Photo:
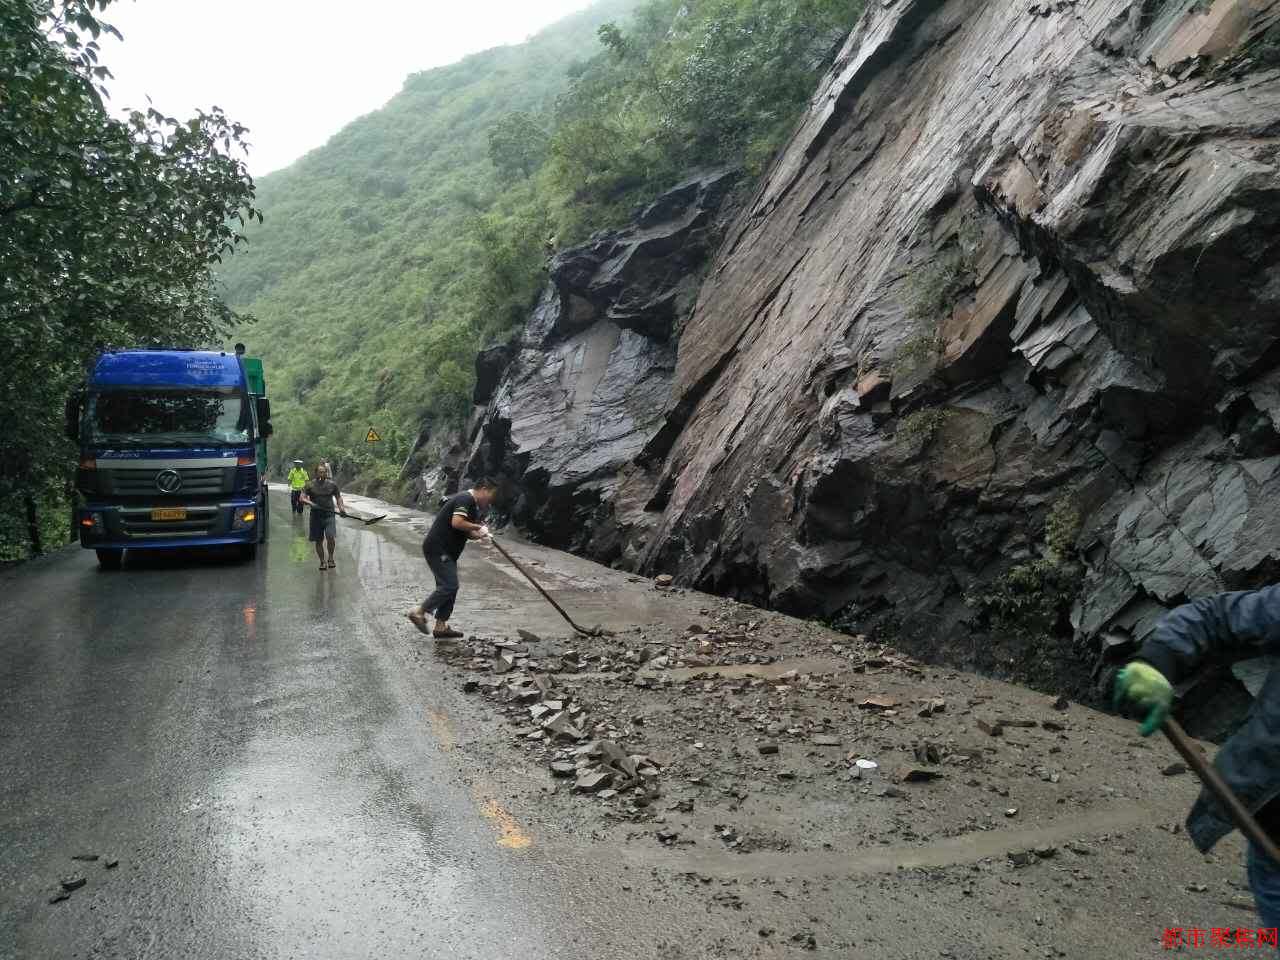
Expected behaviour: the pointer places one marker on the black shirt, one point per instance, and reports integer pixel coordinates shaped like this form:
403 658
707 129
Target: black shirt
442 536
323 493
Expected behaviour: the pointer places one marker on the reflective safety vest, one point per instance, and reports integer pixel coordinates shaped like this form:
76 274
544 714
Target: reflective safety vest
297 478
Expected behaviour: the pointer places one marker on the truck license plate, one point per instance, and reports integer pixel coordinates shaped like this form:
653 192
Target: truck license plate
169 514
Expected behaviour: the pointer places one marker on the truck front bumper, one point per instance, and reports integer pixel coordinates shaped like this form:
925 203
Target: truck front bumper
113 526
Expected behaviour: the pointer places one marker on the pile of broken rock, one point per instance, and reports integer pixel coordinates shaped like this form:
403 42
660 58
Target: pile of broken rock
553 718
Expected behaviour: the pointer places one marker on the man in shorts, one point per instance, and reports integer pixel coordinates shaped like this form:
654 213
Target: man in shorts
325 500
459 520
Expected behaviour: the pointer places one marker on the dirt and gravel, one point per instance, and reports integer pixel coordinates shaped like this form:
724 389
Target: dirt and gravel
821 790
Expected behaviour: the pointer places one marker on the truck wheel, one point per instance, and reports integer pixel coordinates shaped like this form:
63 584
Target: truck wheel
249 552
110 559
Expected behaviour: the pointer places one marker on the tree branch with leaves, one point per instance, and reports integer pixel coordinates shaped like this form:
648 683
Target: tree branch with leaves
110 228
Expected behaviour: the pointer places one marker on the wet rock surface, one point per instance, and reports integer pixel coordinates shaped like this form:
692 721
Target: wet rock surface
1015 260
584 388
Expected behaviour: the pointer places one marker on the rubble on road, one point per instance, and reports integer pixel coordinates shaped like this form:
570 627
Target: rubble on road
729 729
723 732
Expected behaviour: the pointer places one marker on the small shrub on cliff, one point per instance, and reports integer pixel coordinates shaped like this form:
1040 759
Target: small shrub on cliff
1061 528
923 424
916 352
932 289
1030 599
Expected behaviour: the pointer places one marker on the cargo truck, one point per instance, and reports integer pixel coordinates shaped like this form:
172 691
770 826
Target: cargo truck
172 452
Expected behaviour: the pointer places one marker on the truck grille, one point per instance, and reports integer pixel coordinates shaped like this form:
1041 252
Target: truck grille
138 523
196 481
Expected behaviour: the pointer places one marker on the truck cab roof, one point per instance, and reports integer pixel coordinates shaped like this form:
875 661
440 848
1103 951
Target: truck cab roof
167 368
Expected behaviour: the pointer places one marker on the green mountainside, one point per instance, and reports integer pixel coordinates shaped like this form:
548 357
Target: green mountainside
366 241
392 254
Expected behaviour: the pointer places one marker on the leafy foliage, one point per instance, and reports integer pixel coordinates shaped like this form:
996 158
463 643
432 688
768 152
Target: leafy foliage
915 352
392 254
688 84
517 145
109 230
933 288
1031 598
922 425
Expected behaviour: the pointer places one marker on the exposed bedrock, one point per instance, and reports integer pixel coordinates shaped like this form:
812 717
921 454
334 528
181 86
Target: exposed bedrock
1018 261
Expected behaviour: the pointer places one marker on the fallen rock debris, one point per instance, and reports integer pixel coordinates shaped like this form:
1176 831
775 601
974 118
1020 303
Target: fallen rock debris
723 713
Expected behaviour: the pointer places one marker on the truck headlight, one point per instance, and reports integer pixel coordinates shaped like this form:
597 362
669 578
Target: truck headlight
245 517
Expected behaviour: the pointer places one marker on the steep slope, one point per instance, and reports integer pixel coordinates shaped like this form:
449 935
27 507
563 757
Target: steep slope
358 273
996 333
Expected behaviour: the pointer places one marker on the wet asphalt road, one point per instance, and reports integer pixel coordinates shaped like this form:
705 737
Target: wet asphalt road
271 781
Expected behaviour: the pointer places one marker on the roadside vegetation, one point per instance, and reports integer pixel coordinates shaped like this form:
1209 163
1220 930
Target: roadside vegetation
1030 601
109 232
421 232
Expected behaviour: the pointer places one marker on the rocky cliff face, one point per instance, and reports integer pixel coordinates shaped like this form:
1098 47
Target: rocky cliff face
583 391
1020 263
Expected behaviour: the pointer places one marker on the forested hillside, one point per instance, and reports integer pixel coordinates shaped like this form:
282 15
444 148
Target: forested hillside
391 255
364 273
109 229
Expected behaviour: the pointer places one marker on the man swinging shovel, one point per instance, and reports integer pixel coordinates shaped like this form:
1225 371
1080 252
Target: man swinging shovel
1242 788
325 500
459 520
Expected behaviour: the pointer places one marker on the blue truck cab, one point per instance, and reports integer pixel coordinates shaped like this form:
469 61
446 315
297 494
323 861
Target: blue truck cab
172 452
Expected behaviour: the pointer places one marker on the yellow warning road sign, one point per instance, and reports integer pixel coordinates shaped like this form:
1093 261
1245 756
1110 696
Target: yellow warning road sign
372 436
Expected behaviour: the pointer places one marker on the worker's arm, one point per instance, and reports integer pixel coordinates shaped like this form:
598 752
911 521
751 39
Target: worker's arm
1186 636
1226 621
476 531
337 498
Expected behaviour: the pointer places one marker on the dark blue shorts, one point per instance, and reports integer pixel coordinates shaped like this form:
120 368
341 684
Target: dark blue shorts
323 525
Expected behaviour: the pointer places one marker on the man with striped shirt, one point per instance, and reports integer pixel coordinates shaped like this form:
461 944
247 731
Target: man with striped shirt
458 521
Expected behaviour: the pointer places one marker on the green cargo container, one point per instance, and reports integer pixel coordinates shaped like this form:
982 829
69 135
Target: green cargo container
257 382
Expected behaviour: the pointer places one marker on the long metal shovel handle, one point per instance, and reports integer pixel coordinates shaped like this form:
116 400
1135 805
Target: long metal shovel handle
351 516
1210 777
537 586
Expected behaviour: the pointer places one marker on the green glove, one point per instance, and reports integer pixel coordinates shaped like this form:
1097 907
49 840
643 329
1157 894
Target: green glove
1144 686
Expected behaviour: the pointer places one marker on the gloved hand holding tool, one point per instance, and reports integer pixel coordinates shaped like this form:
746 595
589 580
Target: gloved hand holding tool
1145 687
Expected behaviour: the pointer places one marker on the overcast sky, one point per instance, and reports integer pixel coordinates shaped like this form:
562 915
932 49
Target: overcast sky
296 71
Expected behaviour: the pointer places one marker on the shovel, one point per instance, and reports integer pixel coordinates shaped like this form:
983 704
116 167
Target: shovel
1210 777
593 632
353 516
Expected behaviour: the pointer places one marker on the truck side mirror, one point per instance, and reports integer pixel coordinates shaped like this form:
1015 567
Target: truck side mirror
71 416
264 416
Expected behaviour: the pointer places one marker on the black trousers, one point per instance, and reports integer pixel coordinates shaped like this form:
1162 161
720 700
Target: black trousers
295 500
445 569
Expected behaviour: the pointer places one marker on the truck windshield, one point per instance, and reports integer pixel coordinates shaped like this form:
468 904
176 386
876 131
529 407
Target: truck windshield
180 416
